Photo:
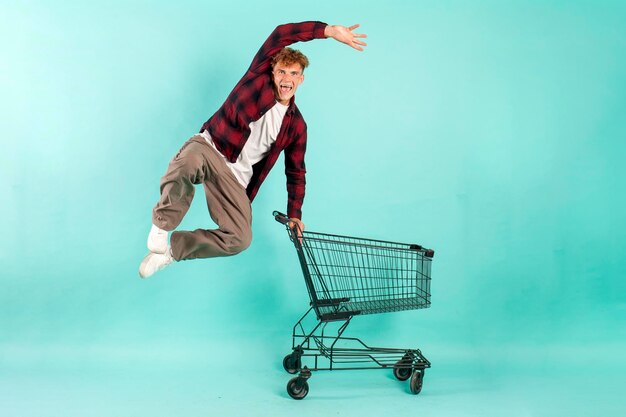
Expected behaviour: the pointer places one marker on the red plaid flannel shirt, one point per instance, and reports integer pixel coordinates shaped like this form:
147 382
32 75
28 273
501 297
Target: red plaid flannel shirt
251 98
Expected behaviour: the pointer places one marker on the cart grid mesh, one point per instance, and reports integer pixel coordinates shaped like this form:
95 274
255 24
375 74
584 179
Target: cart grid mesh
374 276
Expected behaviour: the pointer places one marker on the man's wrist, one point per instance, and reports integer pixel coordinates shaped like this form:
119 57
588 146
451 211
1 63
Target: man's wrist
329 31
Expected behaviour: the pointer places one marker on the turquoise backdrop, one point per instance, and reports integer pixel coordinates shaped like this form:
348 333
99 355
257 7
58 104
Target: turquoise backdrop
491 131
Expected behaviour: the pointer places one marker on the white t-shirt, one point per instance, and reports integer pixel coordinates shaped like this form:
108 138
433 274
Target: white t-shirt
263 134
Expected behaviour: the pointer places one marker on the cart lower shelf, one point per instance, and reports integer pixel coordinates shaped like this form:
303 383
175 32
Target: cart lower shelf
314 351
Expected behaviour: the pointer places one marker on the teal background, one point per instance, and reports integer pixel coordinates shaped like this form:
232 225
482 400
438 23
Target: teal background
490 131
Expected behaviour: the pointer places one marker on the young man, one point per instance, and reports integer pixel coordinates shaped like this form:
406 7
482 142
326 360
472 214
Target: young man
236 149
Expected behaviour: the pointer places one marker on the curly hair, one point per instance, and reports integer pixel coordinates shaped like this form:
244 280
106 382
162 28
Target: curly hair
288 56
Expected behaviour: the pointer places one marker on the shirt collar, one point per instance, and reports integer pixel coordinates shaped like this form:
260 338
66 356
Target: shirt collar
292 105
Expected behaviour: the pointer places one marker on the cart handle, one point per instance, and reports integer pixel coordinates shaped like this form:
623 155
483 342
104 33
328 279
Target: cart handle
280 217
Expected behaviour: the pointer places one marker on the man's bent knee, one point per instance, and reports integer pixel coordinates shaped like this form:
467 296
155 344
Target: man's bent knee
239 244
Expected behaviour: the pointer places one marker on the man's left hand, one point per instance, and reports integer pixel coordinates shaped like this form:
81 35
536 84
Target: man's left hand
296 225
346 35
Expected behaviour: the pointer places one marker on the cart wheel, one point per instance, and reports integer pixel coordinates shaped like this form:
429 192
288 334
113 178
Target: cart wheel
297 388
290 366
416 381
402 369
402 374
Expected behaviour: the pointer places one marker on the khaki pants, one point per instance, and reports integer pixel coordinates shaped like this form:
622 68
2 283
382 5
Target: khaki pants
199 163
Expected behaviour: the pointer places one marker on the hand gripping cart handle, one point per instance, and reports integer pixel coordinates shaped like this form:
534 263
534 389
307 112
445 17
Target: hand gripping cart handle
349 276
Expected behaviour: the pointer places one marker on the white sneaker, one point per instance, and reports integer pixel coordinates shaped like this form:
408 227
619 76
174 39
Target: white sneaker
158 240
154 262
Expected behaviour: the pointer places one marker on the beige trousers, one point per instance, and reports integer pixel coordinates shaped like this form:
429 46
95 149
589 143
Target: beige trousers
199 163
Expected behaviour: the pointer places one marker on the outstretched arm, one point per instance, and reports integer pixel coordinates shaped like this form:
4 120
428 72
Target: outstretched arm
345 35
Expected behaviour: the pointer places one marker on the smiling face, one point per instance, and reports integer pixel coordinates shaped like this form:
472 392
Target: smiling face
286 79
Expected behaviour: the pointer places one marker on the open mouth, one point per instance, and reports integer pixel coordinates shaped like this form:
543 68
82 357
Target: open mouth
285 88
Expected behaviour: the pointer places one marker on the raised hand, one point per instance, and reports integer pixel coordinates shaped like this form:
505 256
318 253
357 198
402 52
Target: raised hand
345 35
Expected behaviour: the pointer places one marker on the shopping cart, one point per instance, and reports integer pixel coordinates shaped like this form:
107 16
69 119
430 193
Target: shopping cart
348 276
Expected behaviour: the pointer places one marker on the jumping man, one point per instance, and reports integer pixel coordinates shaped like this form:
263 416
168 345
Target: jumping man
236 149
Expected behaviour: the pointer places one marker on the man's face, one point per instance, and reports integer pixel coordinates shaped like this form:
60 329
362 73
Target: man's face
287 78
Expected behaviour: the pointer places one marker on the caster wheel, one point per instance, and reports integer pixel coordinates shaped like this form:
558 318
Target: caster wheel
416 381
297 388
402 374
290 366
402 369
